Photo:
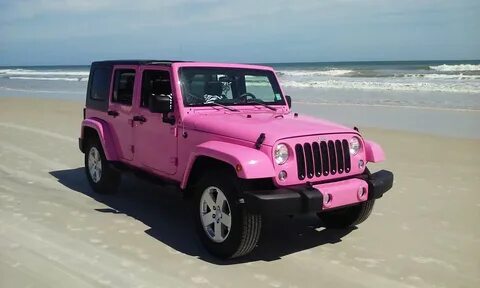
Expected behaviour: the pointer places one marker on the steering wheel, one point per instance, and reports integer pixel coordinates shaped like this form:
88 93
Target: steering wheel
246 95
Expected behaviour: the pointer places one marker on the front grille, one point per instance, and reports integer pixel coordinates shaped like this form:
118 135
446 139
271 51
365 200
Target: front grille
322 158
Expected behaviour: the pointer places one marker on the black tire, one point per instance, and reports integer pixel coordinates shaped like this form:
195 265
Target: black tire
245 229
348 216
109 178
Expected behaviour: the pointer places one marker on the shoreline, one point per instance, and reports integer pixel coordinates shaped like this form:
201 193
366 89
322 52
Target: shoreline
447 122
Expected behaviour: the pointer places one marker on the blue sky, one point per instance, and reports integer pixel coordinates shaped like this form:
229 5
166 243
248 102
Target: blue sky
42 32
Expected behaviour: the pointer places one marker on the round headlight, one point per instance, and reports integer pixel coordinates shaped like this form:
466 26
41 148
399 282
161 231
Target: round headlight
354 145
281 154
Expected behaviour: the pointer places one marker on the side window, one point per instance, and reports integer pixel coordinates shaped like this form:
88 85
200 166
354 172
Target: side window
100 84
123 86
155 82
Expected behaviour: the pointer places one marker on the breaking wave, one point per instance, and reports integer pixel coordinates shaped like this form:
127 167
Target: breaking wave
310 73
459 67
380 85
50 75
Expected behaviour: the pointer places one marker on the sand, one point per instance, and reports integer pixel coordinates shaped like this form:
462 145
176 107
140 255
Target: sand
54 232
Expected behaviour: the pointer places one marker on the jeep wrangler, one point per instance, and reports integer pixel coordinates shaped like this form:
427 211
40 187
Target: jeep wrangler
226 135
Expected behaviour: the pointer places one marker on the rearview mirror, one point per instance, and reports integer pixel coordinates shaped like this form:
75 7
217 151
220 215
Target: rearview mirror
161 104
289 101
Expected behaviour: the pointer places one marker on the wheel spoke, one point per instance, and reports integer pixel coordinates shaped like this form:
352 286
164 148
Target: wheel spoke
226 220
207 218
220 199
218 232
209 200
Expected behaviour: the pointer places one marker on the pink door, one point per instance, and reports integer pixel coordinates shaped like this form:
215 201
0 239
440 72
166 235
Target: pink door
120 108
155 140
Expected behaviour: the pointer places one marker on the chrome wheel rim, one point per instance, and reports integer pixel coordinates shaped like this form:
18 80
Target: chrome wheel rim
215 214
94 164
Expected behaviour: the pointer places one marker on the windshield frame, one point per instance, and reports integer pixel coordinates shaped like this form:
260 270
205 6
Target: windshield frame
270 74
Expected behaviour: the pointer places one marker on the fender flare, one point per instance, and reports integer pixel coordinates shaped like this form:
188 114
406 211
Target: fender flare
254 163
373 152
104 134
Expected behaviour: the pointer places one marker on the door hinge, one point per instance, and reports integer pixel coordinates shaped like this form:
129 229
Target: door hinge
132 148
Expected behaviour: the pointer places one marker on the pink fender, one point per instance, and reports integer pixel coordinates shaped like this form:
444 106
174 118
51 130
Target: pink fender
373 152
105 136
254 163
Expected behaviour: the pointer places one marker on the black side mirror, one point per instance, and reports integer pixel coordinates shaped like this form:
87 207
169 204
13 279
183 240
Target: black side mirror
289 101
161 104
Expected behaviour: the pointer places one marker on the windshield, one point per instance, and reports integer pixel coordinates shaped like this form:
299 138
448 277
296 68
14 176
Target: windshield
229 86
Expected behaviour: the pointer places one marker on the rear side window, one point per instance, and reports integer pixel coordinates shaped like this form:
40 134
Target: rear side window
155 82
100 84
123 86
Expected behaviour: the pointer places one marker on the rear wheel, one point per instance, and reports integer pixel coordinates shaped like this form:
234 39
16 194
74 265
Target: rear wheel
100 175
225 228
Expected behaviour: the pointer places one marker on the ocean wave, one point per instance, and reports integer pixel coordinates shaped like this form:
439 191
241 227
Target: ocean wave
377 85
312 73
460 76
15 72
459 67
49 78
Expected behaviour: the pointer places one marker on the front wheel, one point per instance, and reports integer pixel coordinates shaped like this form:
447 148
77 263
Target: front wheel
348 216
225 228
100 175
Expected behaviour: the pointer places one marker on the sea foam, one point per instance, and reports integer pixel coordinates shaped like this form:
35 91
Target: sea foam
459 67
310 73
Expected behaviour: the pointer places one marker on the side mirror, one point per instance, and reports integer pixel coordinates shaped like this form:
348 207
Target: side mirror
161 104
289 101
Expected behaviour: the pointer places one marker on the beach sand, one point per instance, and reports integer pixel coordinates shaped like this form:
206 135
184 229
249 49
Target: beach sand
54 232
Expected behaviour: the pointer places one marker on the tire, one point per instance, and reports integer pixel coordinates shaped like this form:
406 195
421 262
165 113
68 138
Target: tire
101 176
223 241
348 216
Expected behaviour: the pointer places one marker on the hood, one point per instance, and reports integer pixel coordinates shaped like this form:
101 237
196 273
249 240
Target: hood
248 126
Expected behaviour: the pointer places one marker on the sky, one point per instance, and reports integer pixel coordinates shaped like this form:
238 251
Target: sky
69 32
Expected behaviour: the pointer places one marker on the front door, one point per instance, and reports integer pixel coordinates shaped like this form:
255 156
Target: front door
120 109
155 140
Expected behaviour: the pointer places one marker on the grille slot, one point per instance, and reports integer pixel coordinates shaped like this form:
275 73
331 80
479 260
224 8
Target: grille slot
322 158
300 161
346 150
308 159
318 159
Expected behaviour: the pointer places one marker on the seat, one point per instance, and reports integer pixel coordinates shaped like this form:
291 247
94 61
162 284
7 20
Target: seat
214 88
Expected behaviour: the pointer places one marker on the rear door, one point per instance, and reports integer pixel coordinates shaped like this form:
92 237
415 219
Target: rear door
155 140
120 108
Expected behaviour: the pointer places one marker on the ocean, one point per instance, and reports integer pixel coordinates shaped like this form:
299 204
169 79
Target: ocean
424 84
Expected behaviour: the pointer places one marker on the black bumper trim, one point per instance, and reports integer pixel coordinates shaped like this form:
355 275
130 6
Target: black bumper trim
379 183
80 144
305 198
291 200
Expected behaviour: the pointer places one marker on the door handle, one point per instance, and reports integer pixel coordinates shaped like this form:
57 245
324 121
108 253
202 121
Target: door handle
139 119
113 113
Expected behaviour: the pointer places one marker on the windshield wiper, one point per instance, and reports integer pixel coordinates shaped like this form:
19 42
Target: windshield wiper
224 106
263 104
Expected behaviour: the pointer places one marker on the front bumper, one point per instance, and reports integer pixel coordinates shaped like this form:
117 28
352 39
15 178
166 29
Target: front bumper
315 198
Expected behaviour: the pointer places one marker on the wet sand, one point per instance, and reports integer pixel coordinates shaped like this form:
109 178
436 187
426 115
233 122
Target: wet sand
54 231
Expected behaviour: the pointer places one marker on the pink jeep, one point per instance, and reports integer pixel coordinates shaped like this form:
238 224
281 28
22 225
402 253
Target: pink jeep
225 134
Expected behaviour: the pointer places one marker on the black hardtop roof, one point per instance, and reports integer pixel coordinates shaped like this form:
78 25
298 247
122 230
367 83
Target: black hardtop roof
135 62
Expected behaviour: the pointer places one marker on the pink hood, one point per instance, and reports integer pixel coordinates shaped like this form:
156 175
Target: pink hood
275 126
